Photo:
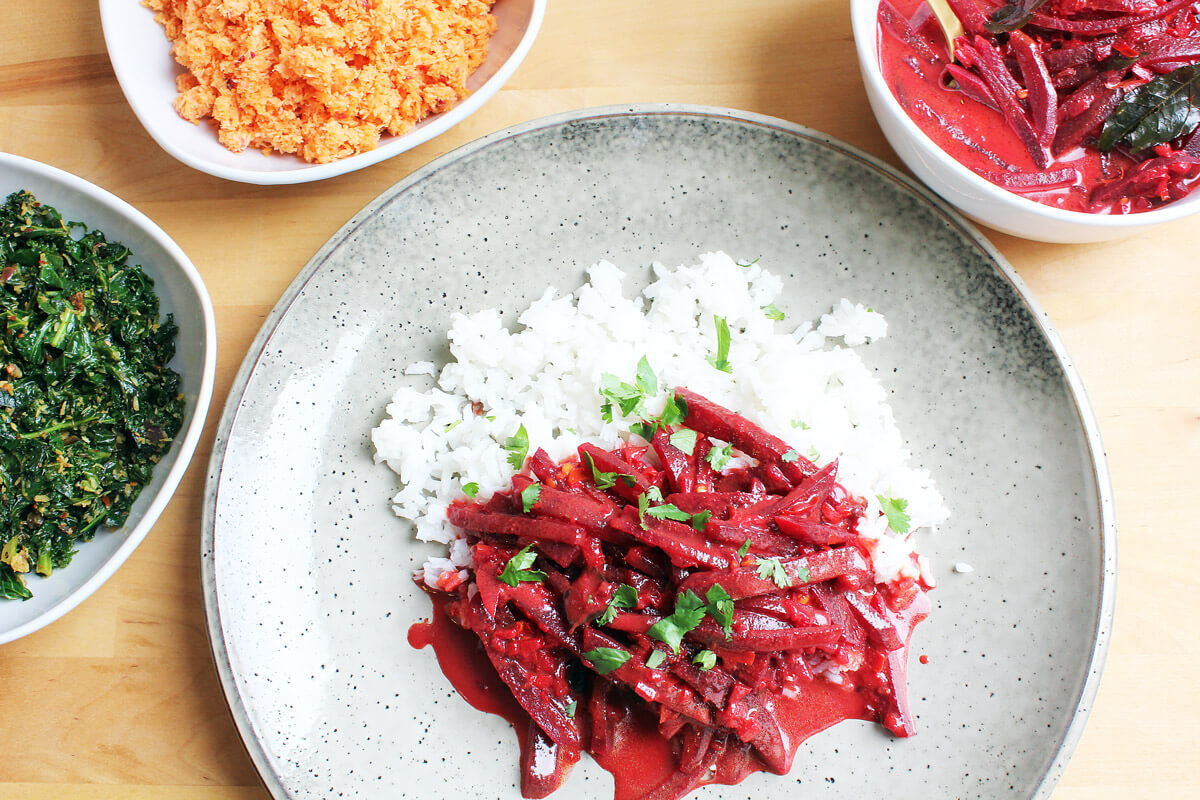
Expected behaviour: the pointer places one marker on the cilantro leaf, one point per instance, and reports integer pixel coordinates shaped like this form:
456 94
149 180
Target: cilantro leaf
721 360
689 611
796 423
770 569
603 480
645 430
813 454
627 397
745 548
645 378
625 597
896 511
517 446
471 489
705 659
669 511
452 426
655 659
530 495
718 457
789 456
518 567
684 439
720 607
606 659
571 707
802 574
772 312
674 412
701 519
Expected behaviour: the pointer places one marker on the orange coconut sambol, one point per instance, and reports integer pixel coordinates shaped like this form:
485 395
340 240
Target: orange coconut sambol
322 80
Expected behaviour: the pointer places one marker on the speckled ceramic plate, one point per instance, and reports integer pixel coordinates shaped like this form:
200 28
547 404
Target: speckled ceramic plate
307 574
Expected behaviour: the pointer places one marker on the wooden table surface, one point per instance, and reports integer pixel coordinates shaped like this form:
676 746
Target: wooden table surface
120 698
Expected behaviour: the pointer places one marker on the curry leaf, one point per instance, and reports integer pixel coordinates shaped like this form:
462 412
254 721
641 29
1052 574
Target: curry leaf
1156 112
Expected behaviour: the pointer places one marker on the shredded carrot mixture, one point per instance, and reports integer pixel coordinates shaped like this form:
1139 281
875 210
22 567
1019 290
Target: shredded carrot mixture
321 79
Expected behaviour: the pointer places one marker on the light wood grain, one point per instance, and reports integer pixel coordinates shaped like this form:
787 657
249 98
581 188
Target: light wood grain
120 699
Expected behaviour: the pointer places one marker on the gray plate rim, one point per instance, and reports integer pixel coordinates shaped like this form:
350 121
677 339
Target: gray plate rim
1108 527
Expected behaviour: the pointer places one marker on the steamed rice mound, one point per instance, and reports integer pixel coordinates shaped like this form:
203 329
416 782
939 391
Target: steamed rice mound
321 79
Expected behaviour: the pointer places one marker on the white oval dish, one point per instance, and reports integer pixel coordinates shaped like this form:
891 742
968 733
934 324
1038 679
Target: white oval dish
146 70
307 573
980 199
181 292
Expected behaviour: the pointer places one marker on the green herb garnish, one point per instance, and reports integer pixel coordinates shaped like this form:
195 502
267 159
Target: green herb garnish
896 511
720 607
684 439
689 611
518 568
789 456
655 659
517 446
470 489
530 495
624 597
770 569
88 405
699 520
745 548
718 457
772 312
721 360
705 659
606 659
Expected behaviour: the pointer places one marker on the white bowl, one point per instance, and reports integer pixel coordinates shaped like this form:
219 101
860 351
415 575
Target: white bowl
180 292
141 57
977 198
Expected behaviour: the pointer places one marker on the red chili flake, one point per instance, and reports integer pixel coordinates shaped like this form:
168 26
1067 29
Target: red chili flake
478 408
924 659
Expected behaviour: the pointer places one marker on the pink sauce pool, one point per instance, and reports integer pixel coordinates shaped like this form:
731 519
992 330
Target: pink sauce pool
981 139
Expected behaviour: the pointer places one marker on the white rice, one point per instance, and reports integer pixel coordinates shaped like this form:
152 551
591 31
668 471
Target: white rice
798 382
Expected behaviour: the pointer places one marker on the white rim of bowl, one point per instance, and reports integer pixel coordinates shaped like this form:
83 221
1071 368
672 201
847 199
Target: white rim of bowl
437 125
863 21
264 762
191 438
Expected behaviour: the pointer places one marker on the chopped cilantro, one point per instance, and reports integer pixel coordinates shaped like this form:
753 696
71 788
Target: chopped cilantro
789 456
701 519
517 446
684 439
705 659
718 457
655 659
669 511
625 597
770 569
470 489
645 430
606 659
674 412
802 425
689 611
721 360
646 380
720 607
518 567
772 312
896 511
813 454
570 708
603 480
745 548
452 426
530 495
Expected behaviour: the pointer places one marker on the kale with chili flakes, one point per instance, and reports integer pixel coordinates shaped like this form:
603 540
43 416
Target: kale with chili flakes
88 405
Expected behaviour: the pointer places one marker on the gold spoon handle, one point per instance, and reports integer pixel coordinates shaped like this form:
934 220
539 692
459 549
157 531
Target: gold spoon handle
951 27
